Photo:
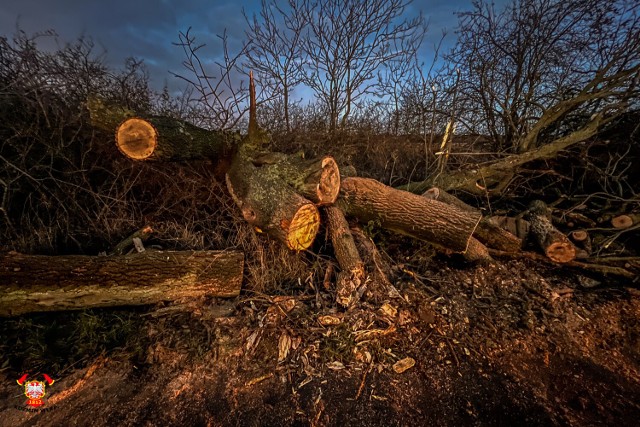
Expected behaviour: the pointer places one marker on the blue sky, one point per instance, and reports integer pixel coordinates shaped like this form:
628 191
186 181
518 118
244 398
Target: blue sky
146 28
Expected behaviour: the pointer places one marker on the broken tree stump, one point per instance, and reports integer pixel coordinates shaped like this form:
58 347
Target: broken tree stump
352 274
487 232
555 245
36 283
441 224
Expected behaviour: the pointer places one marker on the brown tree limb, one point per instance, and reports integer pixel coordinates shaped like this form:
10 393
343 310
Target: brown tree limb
352 274
438 223
34 283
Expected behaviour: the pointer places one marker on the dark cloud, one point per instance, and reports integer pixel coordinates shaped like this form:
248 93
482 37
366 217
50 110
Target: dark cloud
146 29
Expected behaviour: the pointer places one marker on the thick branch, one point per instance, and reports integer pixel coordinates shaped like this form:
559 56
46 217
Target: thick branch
444 225
351 275
33 283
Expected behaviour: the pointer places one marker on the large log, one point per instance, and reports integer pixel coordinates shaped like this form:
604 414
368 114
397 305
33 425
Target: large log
160 138
271 205
556 246
444 225
318 179
487 232
36 283
351 275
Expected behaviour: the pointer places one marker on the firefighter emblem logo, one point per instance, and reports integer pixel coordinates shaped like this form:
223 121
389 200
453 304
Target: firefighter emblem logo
35 390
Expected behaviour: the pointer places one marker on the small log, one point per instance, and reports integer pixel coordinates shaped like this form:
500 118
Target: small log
351 275
477 252
487 232
271 205
554 243
583 241
625 221
517 226
441 224
35 283
142 234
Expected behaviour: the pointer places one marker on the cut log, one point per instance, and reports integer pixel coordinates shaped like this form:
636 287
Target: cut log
436 222
271 205
625 221
163 138
487 232
554 243
351 275
160 138
318 180
34 283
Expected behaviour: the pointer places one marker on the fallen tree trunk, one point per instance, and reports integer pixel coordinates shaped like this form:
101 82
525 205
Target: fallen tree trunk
160 138
553 242
487 232
351 275
439 223
35 283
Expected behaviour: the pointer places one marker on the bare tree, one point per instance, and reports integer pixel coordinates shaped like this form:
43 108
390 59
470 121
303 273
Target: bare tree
219 93
536 63
273 49
345 44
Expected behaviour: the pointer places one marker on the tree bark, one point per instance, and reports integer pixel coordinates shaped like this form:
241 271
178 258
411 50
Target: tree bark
35 283
318 179
271 205
439 223
160 138
493 176
554 243
351 275
487 232
166 139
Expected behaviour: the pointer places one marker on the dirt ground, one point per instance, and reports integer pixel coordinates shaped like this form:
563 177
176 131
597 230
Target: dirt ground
509 343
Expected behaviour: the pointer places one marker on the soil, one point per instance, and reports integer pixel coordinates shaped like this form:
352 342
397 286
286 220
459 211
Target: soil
513 342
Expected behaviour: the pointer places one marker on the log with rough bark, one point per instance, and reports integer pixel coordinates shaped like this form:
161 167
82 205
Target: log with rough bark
436 222
318 179
554 243
266 200
271 205
160 138
352 274
35 283
487 232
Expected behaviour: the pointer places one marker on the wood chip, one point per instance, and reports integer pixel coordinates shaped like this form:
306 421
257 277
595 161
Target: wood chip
402 365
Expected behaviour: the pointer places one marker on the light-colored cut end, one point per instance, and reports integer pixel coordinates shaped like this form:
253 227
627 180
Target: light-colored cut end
561 252
136 138
329 185
303 228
